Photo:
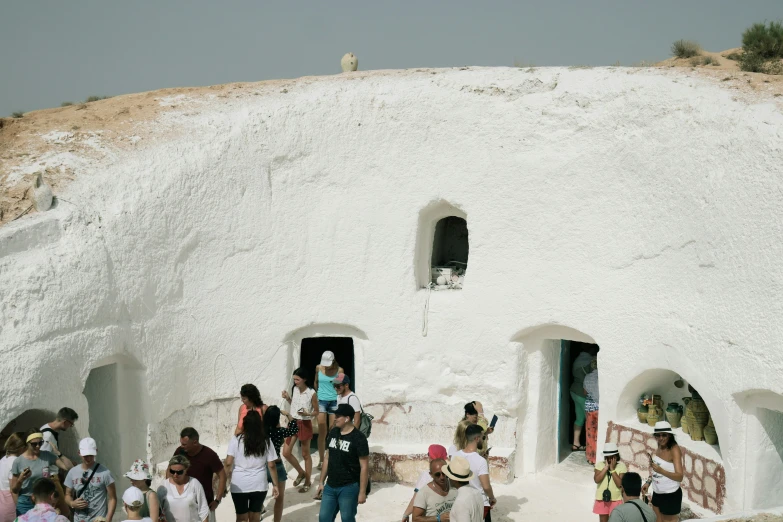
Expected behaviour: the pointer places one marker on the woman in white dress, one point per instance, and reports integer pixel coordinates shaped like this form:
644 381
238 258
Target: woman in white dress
182 497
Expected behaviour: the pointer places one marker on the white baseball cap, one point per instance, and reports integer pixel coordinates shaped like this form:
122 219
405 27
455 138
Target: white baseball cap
133 497
88 447
327 358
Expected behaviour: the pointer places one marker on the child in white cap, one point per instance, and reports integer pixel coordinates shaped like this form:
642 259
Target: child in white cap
133 499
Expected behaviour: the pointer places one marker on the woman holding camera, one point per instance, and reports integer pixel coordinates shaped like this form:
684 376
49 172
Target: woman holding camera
665 474
608 477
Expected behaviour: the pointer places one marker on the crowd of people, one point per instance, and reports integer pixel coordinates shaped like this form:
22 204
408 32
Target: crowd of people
455 488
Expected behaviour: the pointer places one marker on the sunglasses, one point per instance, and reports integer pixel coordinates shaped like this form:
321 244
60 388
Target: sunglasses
36 444
177 471
437 474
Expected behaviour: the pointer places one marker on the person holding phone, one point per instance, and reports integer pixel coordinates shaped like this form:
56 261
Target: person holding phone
30 466
665 474
304 407
608 476
474 413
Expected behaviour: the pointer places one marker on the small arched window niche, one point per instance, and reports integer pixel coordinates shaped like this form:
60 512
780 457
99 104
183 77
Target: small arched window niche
442 247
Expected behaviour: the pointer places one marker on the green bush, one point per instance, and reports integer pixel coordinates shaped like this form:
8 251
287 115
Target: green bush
685 49
17 114
709 60
752 62
734 56
764 40
95 98
66 104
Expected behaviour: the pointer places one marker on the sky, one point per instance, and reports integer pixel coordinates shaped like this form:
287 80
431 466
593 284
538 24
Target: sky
53 51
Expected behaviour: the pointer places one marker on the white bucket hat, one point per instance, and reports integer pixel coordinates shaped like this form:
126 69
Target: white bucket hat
610 449
139 470
327 358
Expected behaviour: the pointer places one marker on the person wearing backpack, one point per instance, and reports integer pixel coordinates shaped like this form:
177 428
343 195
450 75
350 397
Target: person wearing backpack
361 420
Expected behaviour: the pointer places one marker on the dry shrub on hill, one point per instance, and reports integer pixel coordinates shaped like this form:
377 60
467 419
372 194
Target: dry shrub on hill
685 49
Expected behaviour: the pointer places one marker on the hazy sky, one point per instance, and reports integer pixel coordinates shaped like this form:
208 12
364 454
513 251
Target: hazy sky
55 50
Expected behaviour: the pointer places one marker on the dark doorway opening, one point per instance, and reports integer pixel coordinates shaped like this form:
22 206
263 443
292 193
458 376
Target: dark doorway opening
570 351
313 347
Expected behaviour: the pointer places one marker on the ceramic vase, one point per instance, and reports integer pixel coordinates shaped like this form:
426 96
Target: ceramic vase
642 414
710 435
673 414
653 415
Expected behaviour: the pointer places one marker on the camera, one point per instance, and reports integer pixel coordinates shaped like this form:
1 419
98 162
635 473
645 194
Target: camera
607 495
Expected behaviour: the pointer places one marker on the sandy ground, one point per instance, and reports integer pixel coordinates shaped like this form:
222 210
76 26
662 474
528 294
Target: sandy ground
563 494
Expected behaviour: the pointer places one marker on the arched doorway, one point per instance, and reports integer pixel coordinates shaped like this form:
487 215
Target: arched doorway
34 418
545 410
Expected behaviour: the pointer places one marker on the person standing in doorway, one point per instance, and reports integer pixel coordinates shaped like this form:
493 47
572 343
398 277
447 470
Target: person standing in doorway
251 400
30 466
479 467
342 385
579 370
325 374
66 419
346 468
89 488
591 413
204 464
468 505
304 407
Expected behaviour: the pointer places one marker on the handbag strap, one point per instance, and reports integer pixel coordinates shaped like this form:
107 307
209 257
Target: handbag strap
640 510
86 484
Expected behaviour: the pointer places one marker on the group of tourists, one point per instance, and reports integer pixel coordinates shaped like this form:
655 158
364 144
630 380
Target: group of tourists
455 488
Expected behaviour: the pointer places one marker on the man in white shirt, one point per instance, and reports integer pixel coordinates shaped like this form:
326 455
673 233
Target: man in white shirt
468 506
342 385
66 418
478 467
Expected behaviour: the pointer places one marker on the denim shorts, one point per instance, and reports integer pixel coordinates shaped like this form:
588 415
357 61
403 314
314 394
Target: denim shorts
327 406
282 476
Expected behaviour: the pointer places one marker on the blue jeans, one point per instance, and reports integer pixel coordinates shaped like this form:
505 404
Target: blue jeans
344 500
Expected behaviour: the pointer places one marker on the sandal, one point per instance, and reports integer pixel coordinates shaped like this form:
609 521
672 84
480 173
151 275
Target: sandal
299 480
574 447
305 488
318 496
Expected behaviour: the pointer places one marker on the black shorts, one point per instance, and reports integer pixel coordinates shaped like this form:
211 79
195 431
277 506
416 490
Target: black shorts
668 503
251 502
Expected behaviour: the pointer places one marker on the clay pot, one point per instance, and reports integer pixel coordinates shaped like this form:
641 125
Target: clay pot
698 416
642 414
653 415
684 424
673 418
658 401
710 435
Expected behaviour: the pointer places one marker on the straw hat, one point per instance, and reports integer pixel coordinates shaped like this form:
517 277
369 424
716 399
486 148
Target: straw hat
458 469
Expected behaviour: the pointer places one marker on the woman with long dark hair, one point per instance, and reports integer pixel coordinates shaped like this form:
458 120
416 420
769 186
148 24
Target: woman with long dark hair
251 400
303 407
277 435
249 455
665 474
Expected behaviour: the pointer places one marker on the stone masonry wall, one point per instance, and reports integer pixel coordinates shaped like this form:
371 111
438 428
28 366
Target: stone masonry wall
704 482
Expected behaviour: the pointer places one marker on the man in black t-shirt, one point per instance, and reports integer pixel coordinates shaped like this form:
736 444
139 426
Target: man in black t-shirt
346 465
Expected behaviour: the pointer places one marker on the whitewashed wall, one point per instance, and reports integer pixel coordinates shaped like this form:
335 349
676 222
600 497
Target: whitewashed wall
638 208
